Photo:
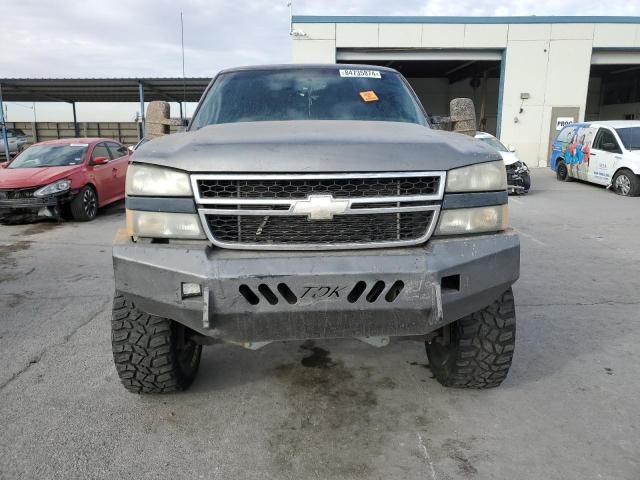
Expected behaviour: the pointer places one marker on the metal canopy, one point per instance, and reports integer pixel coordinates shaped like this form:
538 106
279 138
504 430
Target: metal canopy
73 90
102 89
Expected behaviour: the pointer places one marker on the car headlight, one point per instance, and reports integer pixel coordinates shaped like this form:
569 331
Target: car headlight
53 188
150 181
473 220
164 225
481 177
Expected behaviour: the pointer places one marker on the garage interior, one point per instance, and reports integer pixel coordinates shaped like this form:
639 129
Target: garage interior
438 78
614 92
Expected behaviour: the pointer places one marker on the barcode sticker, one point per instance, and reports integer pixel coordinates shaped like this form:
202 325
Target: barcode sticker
360 73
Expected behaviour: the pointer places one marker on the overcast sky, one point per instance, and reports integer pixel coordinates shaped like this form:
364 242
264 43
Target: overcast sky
122 38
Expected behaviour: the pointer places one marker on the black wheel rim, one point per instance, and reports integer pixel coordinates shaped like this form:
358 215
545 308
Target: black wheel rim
89 203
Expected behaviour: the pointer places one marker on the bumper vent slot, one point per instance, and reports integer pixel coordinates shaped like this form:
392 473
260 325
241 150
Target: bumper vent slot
394 291
375 291
268 294
248 294
357 291
287 294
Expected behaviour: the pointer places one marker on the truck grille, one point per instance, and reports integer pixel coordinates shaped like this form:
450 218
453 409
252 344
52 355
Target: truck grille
341 230
301 188
326 211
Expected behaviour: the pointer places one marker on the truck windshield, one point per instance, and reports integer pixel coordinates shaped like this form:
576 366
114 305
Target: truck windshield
630 137
308 94
38 156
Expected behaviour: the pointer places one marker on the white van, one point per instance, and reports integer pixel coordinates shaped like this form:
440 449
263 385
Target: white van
606 153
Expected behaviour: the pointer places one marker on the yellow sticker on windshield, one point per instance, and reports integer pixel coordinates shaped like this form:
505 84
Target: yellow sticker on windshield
369 96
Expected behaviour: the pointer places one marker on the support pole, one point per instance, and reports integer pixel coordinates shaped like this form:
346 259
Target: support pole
75 120
141 118
5 139
181 115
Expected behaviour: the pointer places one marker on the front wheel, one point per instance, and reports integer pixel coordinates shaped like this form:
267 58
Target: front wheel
526 182
476 351
626 183
562 173
152 354
84 207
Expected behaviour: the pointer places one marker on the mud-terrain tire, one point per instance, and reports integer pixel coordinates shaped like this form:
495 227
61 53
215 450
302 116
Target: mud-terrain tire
84 207
476 351
626 183
562 172
152 354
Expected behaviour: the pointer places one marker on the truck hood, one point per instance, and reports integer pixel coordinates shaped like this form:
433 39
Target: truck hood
314 146
33 177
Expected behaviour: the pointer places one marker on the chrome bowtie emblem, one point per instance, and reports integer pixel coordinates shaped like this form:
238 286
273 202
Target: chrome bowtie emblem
320 207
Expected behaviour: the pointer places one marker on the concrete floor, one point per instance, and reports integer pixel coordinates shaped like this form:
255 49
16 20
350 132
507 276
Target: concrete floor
568 410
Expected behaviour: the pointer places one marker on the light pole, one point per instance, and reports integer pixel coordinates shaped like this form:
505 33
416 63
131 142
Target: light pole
35 119
5 139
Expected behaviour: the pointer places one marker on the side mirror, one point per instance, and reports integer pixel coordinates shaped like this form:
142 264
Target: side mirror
100 161
463 116
511 148
4 164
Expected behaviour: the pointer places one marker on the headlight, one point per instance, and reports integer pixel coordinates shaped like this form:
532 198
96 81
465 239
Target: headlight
150 181
473 220
480 177
163 225
53 188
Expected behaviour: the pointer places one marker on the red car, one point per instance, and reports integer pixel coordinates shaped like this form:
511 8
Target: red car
73 175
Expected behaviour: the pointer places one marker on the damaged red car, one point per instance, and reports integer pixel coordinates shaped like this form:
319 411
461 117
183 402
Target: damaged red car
64 178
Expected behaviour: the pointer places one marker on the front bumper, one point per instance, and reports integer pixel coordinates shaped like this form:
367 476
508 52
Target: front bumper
518 179
321 302
33 204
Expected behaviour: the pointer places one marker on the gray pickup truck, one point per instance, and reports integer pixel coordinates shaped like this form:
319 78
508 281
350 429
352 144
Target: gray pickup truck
310 202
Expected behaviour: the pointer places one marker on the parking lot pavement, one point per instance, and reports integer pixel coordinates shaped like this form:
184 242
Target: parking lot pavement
568 410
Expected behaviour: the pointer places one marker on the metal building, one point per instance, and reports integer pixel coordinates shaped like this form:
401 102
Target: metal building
527 75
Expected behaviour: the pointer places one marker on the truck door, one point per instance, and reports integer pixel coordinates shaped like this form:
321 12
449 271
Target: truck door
605 155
